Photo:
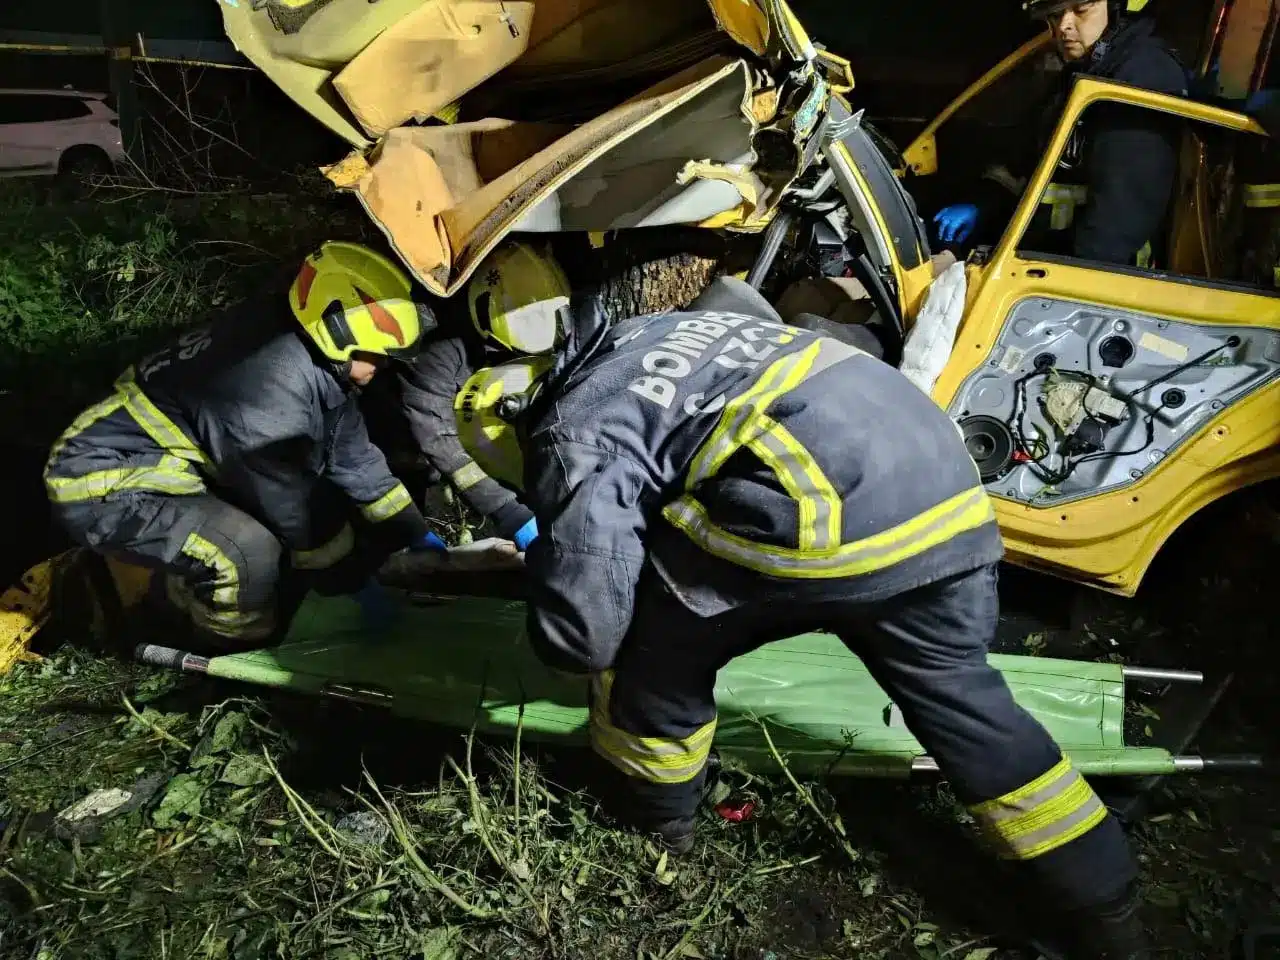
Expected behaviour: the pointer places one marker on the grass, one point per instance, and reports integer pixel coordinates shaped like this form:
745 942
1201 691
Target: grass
229 859
278 827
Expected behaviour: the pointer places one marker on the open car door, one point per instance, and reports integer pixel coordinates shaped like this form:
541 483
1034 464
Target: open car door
608 114
1106 403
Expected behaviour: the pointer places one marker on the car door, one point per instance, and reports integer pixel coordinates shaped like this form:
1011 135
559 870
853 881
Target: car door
1104 403
896 271
921 155
15 155
34 130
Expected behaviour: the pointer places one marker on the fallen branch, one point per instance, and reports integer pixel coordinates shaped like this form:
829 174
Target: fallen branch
712 902
779 868
298 804
158 731
515 829
350 898
426 874
49 746
167 851
836 830
35 897
479 816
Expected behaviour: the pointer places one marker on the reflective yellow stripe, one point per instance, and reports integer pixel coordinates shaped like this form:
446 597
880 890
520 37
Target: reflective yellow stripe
466 477
157 426
745 422
328 553
222 616
1050 811
1262 195
170 475
955 515
227 589
741 413
80 424
388 505
818 504
819 552
655 759
1143 259
1064 198
234 624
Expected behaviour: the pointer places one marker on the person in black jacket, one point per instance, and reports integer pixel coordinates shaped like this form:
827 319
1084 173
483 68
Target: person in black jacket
1115 178
711 480
215 457
514 302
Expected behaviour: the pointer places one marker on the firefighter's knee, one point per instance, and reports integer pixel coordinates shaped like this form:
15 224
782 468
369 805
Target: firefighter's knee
228 587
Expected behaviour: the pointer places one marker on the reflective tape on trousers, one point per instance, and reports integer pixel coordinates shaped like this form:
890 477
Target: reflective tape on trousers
1047 813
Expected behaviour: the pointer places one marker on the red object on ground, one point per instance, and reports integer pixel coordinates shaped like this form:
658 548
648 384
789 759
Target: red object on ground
736 814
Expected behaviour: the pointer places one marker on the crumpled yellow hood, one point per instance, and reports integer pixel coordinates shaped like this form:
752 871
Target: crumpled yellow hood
447 163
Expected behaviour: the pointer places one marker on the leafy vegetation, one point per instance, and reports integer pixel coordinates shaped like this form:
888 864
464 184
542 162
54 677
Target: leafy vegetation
227 858
85 287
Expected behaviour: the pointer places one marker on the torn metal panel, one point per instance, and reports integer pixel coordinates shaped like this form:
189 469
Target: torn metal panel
303 63
361 68
561 133
446 195
428 59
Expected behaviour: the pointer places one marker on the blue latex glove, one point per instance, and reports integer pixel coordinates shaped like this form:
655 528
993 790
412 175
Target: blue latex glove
1260 100
955 223
377 609
526 535
430 541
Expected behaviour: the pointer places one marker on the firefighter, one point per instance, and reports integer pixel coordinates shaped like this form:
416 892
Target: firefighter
218 454
1117 172
1258 169
515 304
709 481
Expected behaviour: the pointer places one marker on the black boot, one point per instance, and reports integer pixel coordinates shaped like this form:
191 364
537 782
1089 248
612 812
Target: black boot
1109 931
675 835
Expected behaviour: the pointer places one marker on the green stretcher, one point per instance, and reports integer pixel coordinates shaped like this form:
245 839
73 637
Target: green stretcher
462 662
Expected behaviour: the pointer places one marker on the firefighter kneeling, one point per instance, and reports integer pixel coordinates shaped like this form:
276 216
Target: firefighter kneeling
707 482
236 444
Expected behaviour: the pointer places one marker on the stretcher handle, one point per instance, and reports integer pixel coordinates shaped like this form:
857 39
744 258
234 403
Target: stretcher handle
1162 674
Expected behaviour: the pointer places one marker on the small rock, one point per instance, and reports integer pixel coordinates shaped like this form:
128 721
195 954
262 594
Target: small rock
97 804
84 818
365 828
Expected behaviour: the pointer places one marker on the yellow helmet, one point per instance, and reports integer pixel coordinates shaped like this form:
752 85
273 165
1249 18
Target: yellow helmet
518 298
350 299
1042 9
485 408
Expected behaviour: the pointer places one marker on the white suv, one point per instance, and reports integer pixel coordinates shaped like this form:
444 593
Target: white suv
57 131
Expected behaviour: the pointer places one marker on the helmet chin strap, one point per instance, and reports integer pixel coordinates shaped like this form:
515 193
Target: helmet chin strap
1116 15
341 371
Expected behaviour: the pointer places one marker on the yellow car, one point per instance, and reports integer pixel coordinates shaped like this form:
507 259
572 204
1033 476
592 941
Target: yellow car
1163 381
1104 405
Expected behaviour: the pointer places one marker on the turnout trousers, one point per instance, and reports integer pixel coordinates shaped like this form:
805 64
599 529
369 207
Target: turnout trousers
220 566
653 718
